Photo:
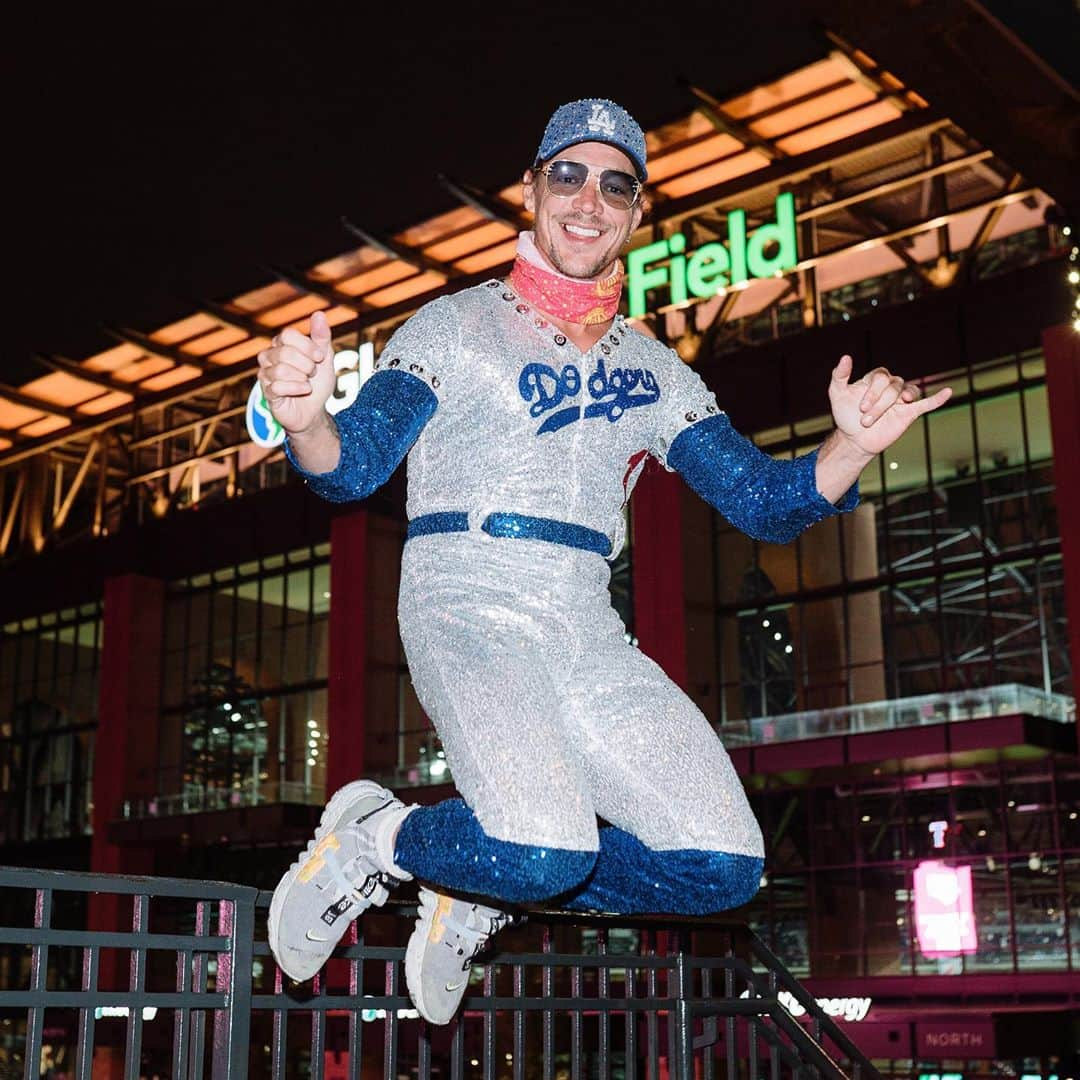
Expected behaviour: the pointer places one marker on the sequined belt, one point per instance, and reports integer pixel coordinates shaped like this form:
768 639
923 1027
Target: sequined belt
514 526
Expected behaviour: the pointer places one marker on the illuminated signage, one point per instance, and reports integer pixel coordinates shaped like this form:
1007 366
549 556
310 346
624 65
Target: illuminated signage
103 1011
937 830
852 1009
370 1015
353 369
944 911
713 267
955 1038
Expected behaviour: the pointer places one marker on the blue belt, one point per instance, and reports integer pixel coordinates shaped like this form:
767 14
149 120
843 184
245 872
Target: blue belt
514 526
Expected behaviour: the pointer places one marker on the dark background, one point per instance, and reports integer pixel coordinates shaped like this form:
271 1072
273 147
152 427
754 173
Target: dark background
159 154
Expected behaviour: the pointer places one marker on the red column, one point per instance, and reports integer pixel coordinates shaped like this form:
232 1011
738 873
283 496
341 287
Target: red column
659 620
1061 348
125 749
349 549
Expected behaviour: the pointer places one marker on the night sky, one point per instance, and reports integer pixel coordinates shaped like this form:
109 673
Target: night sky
160 157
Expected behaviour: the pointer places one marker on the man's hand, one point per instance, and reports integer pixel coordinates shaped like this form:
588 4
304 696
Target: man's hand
874 411
297 377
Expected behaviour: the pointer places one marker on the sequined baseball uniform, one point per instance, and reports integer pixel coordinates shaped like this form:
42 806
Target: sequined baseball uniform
524 451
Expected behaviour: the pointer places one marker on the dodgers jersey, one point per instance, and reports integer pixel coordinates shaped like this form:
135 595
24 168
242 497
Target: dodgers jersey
526 423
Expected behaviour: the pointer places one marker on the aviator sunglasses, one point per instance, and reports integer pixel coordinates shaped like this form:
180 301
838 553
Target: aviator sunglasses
566 178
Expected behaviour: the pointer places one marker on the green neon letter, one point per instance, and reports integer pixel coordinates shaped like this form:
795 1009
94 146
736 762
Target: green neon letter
677 271
639 280
706 270
736 230
783 232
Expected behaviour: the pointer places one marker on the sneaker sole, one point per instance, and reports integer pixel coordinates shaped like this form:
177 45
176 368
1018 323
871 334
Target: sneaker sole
414 952
331 818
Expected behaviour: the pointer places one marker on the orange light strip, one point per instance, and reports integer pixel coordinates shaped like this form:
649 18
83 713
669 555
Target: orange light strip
390 271
192 326
45 426
413 287
467 243
728 169
142 369
810 112
105 403
798 84
300 308
13 416
700 153
222 336
833 130
61 389
115 358
493 256
244 351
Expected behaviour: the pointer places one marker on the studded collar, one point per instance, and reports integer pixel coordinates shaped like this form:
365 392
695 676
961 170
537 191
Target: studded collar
540 324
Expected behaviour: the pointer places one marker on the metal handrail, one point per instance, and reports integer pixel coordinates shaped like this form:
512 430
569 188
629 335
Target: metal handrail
669 1000
926 709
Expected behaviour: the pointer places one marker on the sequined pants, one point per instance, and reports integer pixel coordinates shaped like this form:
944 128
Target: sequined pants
548 718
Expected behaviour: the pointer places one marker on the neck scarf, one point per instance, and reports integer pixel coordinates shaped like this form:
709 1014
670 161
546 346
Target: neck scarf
587 301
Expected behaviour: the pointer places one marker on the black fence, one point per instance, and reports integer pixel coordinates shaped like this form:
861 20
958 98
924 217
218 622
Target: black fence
105 976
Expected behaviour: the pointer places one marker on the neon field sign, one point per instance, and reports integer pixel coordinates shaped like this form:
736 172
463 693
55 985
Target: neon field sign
944 910
713 267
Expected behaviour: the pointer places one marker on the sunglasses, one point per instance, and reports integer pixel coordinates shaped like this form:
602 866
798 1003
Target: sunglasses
566 178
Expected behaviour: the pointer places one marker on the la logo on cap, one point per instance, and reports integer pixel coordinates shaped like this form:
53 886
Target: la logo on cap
600 120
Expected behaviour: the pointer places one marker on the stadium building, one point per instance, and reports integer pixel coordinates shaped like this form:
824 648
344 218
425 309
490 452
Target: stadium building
195 649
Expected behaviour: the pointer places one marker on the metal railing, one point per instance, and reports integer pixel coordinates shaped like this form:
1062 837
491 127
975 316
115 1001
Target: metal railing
198 798
1007 700
572 996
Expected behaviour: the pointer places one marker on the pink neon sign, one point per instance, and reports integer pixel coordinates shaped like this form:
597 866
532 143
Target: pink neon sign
944 911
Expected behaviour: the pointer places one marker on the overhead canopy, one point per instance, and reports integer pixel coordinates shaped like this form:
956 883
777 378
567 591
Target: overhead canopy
882 182
384 278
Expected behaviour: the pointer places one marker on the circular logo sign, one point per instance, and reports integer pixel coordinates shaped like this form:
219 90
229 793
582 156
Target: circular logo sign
261 425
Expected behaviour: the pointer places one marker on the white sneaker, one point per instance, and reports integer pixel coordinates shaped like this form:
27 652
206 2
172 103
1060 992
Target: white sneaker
449 934
347 866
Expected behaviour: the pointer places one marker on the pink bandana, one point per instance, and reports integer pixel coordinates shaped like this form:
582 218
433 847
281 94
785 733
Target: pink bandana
577 300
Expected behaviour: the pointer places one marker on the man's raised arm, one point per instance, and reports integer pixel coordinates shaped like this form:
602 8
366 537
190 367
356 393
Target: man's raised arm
353 454
775 500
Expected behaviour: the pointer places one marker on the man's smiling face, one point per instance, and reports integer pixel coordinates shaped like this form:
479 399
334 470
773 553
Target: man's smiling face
581 235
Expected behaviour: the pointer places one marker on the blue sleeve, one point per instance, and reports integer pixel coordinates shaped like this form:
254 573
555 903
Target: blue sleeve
765 498
376 432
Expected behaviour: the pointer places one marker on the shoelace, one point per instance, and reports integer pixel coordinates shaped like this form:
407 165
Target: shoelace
358 877
476 936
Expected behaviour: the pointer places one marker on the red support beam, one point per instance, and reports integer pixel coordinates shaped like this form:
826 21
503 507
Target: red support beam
1061 348
126 745
346 722
659 621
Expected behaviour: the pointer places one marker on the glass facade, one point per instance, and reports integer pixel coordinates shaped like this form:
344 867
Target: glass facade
864 297
48 717
243 690
948 576
837 898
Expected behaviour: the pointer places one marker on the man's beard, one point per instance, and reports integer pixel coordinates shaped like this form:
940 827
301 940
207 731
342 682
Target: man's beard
604 261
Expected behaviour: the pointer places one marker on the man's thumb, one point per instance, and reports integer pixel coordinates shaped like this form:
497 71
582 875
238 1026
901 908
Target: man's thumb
320 329
842 372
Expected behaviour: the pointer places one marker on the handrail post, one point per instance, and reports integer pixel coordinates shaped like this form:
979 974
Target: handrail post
232 1025
683 1018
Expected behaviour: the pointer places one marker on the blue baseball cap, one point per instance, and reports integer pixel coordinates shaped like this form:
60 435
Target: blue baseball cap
594 120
